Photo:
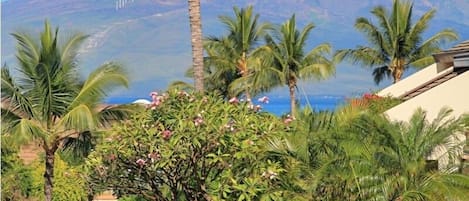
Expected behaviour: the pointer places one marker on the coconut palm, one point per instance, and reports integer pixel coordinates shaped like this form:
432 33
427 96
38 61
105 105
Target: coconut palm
396 42
197 44
46 103
235 51
292 63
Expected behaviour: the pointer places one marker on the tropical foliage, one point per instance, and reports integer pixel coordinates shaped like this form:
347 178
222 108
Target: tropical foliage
372 158
395 41
46 103
214 146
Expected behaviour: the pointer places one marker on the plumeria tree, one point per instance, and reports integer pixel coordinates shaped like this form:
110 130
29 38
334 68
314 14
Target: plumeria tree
191 147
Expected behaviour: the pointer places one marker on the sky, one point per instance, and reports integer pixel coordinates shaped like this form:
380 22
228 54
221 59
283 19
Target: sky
151 37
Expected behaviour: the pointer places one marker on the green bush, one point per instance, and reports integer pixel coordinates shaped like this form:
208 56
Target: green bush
190 147
69 181
17 181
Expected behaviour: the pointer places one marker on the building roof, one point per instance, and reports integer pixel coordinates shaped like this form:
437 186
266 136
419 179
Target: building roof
445 58
456 57
459 48
441 84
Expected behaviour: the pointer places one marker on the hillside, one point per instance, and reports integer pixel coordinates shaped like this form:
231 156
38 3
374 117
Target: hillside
151 37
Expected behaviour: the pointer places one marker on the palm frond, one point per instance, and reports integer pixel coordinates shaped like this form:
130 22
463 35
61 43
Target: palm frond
78 146
362 55
115 113
380 73
16 102
107 76
373 34
180 85
26 130
79 118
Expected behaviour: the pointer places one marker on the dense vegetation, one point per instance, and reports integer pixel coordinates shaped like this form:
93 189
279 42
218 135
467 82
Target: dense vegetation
188 145
49 105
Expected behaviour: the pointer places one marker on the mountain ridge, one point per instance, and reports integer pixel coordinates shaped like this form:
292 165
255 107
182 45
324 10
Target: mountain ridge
151 37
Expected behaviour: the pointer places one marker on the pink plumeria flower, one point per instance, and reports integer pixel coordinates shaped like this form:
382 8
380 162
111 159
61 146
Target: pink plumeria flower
288 119
230 125
263 99
233 100
153 95
258 108
154 104
167 134
154 156
140 162
183 93
156 100
198 120
112 157
269 174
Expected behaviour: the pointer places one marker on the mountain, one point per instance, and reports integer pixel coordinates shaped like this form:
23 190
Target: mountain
151 37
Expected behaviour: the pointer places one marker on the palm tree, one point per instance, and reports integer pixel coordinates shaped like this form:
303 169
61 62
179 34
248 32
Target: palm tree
372 158
237 49
197 44
290 61
401 151
396 43
47 104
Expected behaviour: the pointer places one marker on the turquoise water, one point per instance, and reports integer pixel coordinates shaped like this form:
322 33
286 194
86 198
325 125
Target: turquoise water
276 105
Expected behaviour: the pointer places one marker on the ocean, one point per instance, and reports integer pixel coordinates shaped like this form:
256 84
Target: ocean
276 105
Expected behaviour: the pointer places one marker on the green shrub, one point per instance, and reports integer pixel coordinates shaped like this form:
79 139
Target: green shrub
69 181
17 181
190 147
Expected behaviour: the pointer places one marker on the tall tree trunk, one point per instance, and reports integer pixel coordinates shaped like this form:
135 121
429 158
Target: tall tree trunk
396 75
397 69
49 174
291 87
197 46
243 69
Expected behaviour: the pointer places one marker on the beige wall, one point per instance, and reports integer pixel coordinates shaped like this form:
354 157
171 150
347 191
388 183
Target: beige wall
412 81
453 93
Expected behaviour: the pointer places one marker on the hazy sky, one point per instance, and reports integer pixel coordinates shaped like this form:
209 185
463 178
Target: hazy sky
151 37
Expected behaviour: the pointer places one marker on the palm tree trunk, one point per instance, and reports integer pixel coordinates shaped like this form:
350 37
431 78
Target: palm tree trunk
397 75
49 174
197 46
291 87
243 69
398 70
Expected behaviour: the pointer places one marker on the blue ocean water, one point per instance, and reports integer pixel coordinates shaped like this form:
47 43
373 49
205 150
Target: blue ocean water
281 105
276 105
